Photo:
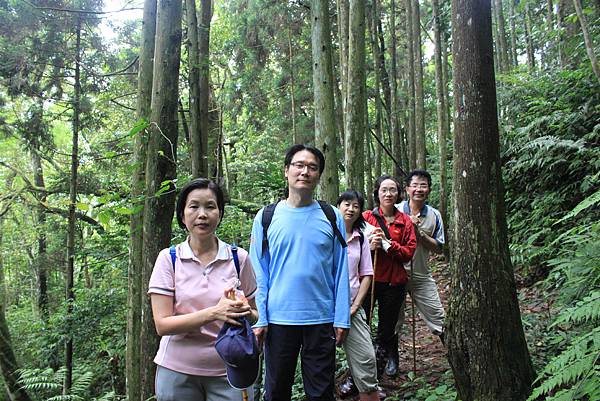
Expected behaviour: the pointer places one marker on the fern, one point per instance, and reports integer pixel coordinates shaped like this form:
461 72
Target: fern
48 384
571 371
584 204
586 310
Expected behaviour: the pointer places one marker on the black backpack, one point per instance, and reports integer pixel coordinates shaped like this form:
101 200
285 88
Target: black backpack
269 211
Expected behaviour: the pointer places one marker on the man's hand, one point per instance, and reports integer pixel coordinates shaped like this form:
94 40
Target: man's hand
340 335
261 335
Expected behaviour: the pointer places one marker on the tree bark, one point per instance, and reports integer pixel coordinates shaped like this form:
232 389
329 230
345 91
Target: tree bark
412 140
394 120
503 46
197 151
546 55
589 45
343 27
355 104
486 344
204 52
513 33
69 293
440 107
325 130
134 273
421 150
160 166
377 72
529 39
292 83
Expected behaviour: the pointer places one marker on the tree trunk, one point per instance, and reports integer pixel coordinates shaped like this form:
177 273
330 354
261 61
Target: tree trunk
8 361
355 104
134 274
529 39
589 45
486 344
385 78
513 33
343 26
160 166
378 111
292 83
197 151
412 140
41 259
440 107
421 151
69 294
325 131
394 120
204 51
503 46
546 55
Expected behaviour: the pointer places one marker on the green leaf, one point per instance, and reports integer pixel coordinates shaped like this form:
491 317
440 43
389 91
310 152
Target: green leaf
104 217
432 397
441 389
584 204
140 125
82 206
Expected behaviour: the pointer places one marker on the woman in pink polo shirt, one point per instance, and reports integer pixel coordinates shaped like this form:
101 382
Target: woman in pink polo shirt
190 300
358 346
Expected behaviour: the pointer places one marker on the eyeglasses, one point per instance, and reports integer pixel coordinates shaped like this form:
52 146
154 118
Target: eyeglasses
391 191
419 186
313 168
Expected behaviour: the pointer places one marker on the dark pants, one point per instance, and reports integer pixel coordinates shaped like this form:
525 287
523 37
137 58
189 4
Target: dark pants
316 345
390 299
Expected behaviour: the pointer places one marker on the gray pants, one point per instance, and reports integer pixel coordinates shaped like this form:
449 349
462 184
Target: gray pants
424 293
175 386
360 353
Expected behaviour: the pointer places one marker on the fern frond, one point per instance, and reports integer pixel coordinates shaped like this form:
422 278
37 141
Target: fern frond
584 204
586 310
571 369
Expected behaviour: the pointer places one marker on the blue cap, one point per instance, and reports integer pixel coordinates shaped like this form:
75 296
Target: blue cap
238 348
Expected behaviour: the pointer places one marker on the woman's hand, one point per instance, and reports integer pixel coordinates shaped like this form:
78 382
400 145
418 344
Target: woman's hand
375 239
230 308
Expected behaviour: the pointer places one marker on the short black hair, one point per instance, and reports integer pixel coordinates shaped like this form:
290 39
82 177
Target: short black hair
378 184
292 150
418 173
350 196
199 183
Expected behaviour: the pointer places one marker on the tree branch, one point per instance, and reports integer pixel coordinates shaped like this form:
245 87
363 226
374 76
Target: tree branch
79 11
387 151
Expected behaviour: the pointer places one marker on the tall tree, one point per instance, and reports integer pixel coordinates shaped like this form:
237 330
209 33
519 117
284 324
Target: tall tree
133 356
440 107
204 58
589 44
160 166
69 293
355 103
412 140
486 344
325 130
513 33
501 37
420 149
378 132
198 152
397 147
529 38
343 23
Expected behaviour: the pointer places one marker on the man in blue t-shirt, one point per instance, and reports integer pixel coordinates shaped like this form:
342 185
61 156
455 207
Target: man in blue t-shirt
303 297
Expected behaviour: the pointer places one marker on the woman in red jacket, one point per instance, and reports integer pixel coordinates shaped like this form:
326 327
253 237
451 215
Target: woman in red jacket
393 242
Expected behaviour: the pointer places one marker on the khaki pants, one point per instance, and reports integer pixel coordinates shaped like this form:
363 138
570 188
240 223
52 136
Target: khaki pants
360 353
424 293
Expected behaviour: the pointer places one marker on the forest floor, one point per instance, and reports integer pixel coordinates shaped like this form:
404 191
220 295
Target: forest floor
432 368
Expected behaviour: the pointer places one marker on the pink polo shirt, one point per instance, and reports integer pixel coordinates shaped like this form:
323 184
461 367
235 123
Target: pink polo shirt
358 265
196 286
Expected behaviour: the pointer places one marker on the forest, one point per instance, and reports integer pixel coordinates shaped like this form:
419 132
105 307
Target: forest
107 108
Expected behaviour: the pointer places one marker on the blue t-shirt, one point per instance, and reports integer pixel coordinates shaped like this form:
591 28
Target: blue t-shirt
303 277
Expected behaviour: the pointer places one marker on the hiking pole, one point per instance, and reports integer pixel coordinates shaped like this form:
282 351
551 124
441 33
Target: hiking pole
414 325
373 289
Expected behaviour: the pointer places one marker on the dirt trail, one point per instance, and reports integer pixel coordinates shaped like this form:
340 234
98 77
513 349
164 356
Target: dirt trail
431 360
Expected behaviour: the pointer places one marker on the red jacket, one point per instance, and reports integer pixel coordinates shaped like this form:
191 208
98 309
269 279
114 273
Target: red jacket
390 268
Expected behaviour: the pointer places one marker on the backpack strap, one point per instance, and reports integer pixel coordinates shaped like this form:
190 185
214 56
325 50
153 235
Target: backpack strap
236 260
173 254
381 223
361 240
330 214
267 216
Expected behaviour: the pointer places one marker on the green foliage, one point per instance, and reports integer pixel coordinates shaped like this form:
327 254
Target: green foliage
551 157
47 384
